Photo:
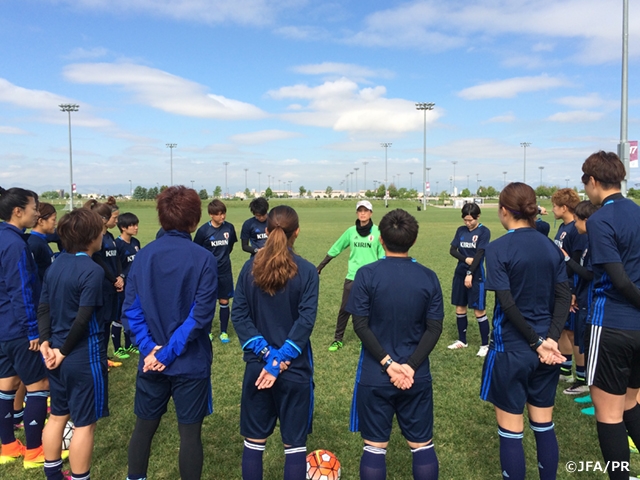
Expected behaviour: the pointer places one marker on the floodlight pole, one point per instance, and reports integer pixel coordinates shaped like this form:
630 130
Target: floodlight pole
424 107
623 146
70 107
386 183
171 146
364 187
524 173
453 192
357 191
541 168
226 188
259 173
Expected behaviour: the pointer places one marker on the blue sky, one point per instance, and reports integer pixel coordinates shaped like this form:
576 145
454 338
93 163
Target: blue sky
305 91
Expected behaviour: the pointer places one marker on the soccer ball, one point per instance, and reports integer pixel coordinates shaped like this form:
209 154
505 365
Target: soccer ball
323 465
67 434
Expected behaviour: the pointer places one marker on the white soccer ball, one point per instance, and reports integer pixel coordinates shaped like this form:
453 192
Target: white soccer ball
67 434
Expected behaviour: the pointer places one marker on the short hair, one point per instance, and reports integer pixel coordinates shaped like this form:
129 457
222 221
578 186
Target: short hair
606 168
46 210
259 206
398 230
126 220
216 207
585 209
12 198
78 228
472 209
566 197
520 200
179 208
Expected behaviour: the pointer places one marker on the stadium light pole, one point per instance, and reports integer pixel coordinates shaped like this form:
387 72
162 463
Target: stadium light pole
357 191
524 172
410 180
453 190
364 184
541 168
226 188
245 178
424 107
171 146
259 173
504 181
130 189
624 147
477 182
567 180
386 184
192 184
346 182
428 182
70 107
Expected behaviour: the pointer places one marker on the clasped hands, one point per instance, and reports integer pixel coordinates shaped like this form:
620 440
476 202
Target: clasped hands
52 356
549 354
401 375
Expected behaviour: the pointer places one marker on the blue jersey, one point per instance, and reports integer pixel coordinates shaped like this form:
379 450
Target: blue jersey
19 286
127 253
543 227
569 239
290 315
73 281
614 237
42 253
529 265
255 232
584 288
170 300
218 241
109 255
398 295
468 242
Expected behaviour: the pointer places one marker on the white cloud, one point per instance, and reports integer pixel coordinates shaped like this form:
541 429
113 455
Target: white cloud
543 47
82 53
4 130
343 106
507 118
263 136
511 87
293 32
592 100
349 70
576 116
162 90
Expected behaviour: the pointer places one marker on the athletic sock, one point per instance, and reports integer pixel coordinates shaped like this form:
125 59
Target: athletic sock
252 460
373 465
127 340
191 455
18 416
425 463
140 447
565 367
631 420
547 446
614 447
116 334
295 463
53 469
225 311
7 398
580 374
483 323
511 455
35 413
81 476
461 320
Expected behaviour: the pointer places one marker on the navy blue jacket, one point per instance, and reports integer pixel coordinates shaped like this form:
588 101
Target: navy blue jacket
170 300
19 286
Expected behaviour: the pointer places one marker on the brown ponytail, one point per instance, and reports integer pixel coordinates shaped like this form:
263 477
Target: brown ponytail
273 265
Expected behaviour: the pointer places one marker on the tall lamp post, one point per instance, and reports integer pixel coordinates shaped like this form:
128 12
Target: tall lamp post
386 183
130 189
567 180
541 168
524 172
504 181
410 180
245 178
424 107
192 184
357 191
428 181
171 146
226 188
70 107
364 184
453 190
259 183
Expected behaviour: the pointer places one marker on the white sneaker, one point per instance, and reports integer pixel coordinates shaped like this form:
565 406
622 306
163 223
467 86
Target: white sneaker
456 345
566 378
482 352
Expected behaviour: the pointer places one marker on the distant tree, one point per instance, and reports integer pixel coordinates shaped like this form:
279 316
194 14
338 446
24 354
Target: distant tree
381 191
491 192
369 194
412 193
328 191
163 188
50 195
268 193
217 192
302 190
66 195
140 193
203 194
248 194
465 193
393 191
152 193
633 193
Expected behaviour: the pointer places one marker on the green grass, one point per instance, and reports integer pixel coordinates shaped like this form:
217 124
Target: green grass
465 431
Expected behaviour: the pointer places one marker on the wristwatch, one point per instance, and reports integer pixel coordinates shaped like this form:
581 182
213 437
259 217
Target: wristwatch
534 346
386 365
469 272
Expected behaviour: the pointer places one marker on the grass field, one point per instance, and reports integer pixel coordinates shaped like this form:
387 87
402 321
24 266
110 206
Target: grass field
465 432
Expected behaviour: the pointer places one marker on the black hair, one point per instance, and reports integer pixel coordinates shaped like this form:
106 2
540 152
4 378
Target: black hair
520 200
606 168
217 207
259 206
472 209
12 198
398 230
126 220
585 209
79 228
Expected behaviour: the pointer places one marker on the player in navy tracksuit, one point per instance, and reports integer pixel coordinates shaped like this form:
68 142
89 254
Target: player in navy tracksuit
397 311
219 236
169 303
253 234
38 242
613 326
274 312
19 356
528 274
467 289
71 344
568 239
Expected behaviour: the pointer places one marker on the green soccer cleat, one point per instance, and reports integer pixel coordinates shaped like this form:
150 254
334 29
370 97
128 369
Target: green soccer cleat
121 353
335 346
586 399
591 411
224 338
133 350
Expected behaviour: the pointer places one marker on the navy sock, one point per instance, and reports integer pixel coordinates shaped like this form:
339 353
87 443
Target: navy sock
483 323
7 398
116 336
35 413
565 367
127 340
425 463
461 320
53 469
547 446
295 463
631 419
81 476
225 311
580 374
18 415
511 455
373 465
614 447
252 460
